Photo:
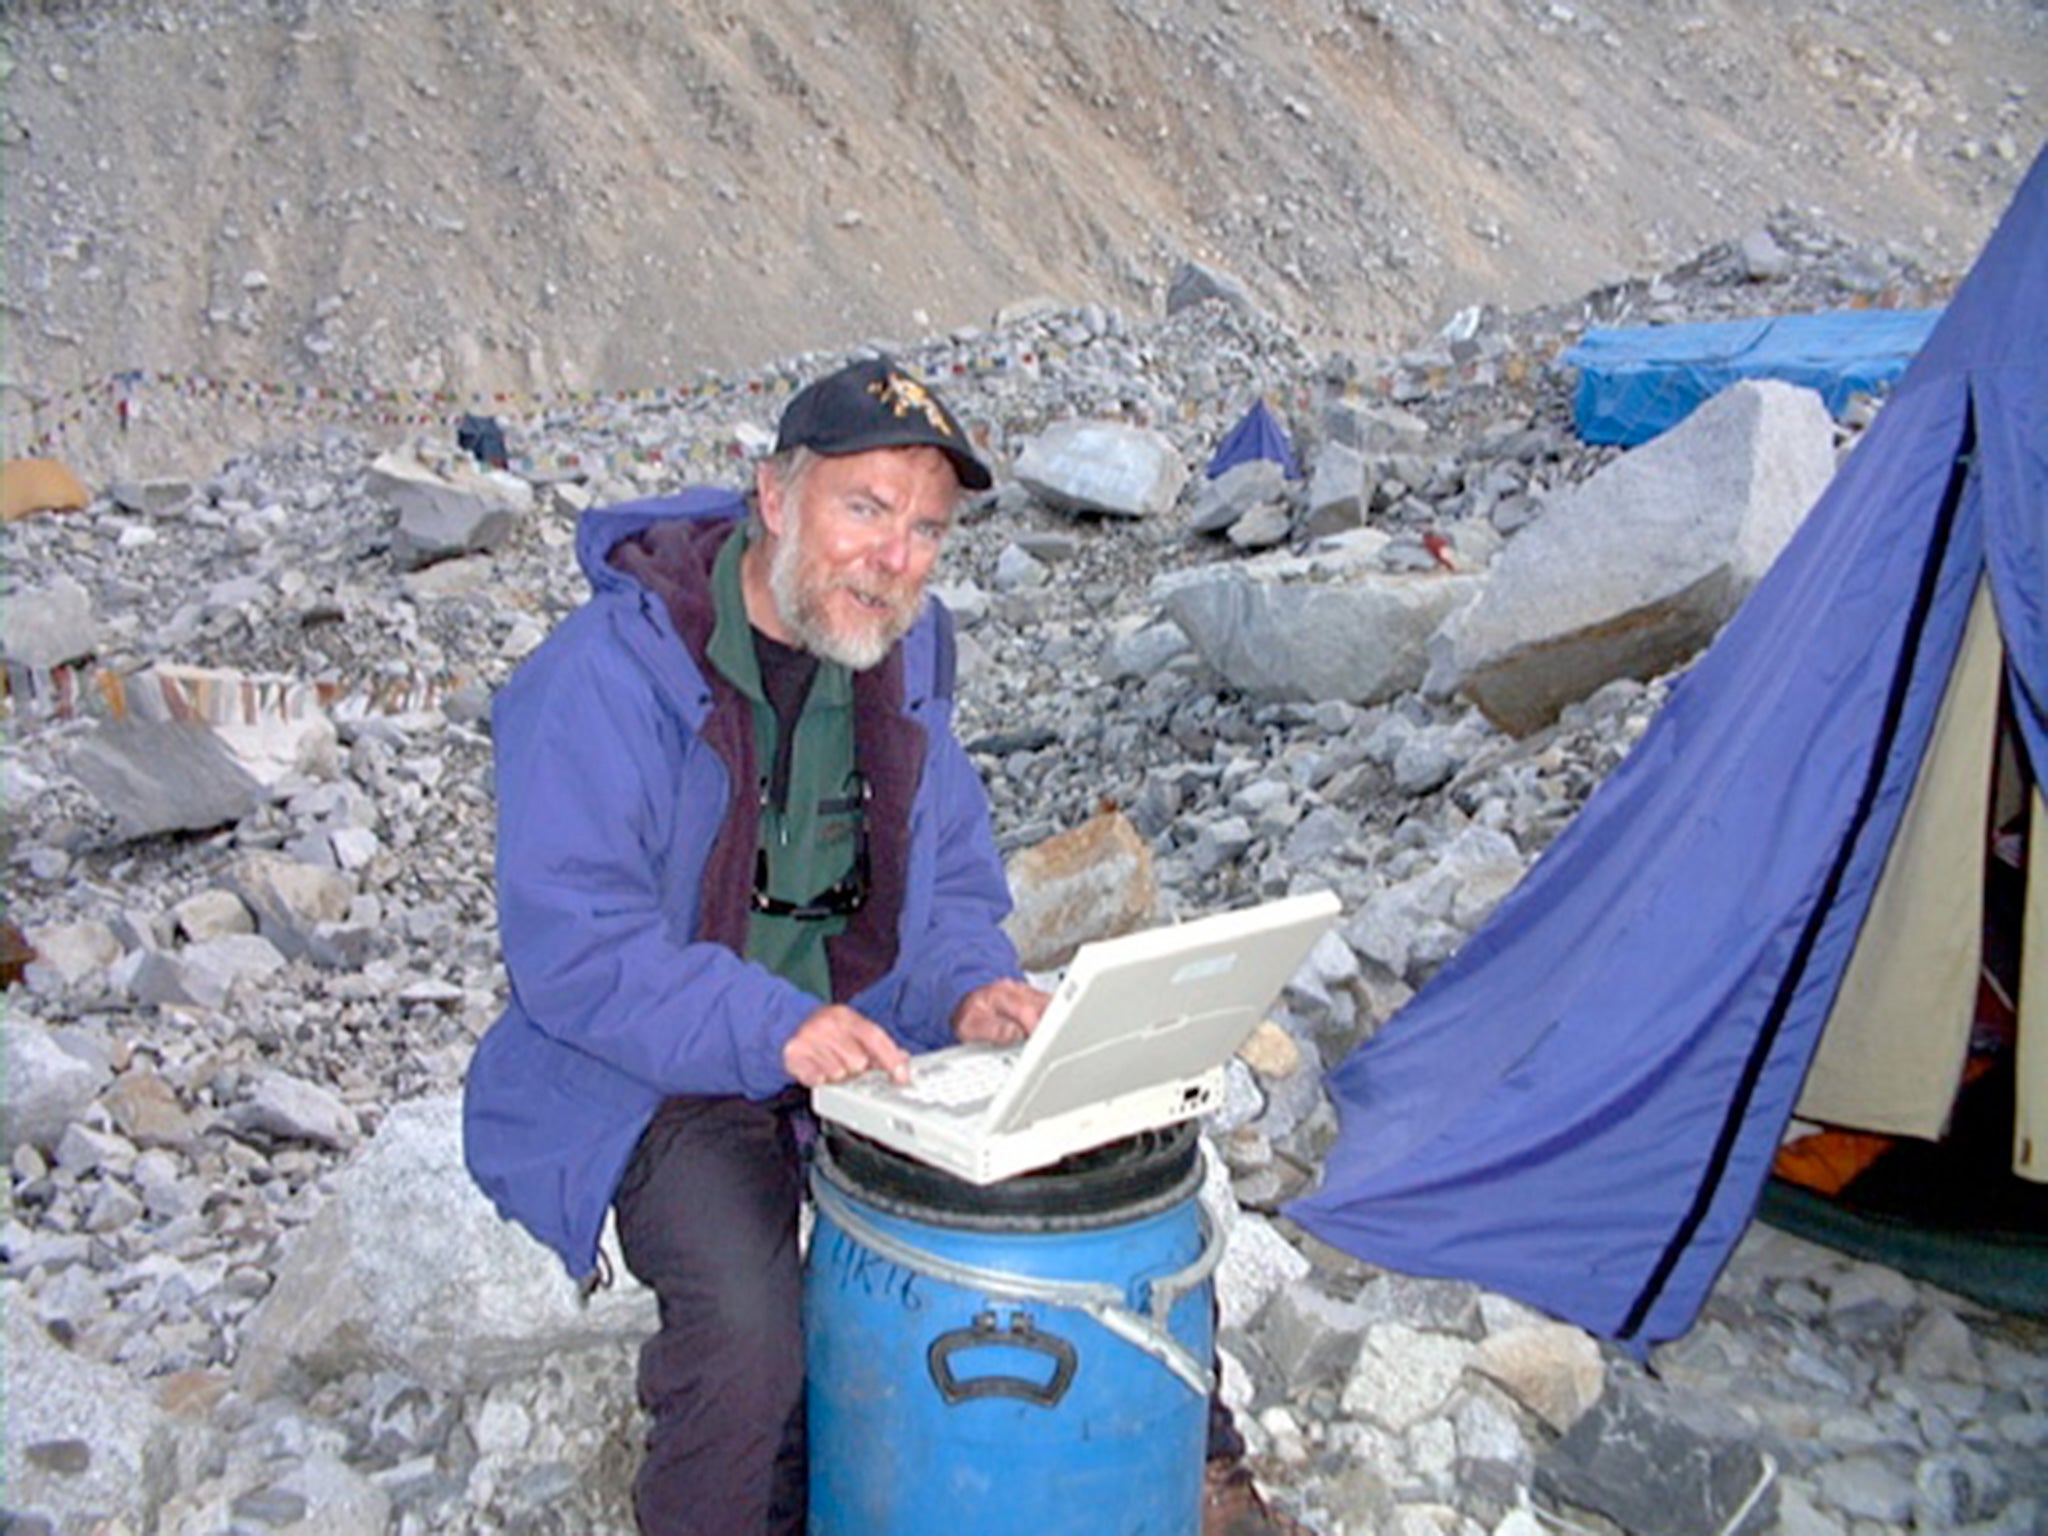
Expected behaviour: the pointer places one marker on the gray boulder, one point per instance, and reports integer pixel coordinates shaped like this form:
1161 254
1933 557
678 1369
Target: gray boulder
205 974
1221 502
211 914
287 1108
407 1267
1309 1336
1338 497
1193 284
43 627
1632 572
1658 1463
1258 1260
1763 259
70 953
161 496
47 1086
1404 1375
1372 428
86 1448
1362 641
1263 527
1102 466
292 900
441 516
1552 1369
1142 649
164 776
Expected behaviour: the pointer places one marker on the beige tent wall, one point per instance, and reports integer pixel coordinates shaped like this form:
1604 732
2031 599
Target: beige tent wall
2030 1112
1891 1056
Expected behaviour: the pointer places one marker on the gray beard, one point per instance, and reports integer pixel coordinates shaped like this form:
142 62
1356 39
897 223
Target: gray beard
805 621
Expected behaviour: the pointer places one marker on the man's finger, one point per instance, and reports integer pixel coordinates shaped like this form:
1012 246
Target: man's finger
881 1051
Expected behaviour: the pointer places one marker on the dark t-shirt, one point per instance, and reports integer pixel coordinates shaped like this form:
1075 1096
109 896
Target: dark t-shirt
786 674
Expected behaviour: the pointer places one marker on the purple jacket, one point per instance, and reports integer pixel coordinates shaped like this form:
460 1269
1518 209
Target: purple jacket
626 833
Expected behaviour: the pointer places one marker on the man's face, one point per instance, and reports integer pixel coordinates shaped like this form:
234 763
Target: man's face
852 543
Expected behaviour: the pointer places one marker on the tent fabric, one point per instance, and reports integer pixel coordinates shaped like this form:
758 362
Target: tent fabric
1581 1108
1257 435
2030 1111
1893 1048
39 485
1636 382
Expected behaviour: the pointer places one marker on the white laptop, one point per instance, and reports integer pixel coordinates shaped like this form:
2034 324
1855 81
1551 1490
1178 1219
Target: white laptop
1135 1038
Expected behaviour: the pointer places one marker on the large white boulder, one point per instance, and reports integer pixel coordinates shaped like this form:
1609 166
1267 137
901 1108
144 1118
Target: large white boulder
1637 569
408 1267
1102 466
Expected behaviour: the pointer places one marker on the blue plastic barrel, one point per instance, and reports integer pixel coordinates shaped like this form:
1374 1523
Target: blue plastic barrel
1031 1357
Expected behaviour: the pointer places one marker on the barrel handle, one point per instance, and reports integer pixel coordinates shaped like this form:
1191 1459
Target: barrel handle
1147 1331
1020 1335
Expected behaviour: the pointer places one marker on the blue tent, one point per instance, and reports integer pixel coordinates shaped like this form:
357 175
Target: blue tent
1636 382
1580 1110
1257 435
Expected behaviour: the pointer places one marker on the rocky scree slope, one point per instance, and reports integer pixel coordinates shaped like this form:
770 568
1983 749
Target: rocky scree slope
387 195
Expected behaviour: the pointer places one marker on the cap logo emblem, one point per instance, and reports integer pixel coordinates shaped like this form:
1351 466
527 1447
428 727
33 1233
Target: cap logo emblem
903 396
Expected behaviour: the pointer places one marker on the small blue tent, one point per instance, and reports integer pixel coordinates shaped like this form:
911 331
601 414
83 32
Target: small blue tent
1257 435
1637 381
1580 1110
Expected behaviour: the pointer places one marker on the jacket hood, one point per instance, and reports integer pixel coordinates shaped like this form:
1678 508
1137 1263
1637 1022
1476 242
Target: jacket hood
600 530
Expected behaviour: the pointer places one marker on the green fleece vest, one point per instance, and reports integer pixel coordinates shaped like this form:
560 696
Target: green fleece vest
811 801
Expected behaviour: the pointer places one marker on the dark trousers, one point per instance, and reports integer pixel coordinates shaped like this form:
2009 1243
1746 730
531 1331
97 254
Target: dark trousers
708 1221
707 1215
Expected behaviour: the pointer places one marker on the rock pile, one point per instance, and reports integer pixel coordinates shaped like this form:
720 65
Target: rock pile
246 1283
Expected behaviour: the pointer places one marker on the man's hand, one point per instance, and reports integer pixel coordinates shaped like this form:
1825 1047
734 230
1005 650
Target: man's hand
1001 1013
836 1043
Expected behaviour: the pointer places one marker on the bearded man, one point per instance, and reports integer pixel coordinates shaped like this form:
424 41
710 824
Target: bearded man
741 853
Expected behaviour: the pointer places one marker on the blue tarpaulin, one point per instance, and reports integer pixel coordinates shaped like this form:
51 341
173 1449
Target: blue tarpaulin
1636 382
1580 1110
1257 435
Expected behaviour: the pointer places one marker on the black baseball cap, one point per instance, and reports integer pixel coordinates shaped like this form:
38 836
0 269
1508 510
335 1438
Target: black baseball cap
877 403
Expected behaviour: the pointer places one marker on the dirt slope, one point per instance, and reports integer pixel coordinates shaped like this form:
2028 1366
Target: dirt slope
536 195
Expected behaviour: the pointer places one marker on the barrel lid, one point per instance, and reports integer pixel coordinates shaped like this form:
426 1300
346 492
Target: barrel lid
1121 1181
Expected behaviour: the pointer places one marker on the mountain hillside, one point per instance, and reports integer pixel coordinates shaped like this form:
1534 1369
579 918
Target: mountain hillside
541 195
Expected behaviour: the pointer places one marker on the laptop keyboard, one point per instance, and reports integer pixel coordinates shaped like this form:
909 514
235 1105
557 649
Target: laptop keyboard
962 1080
